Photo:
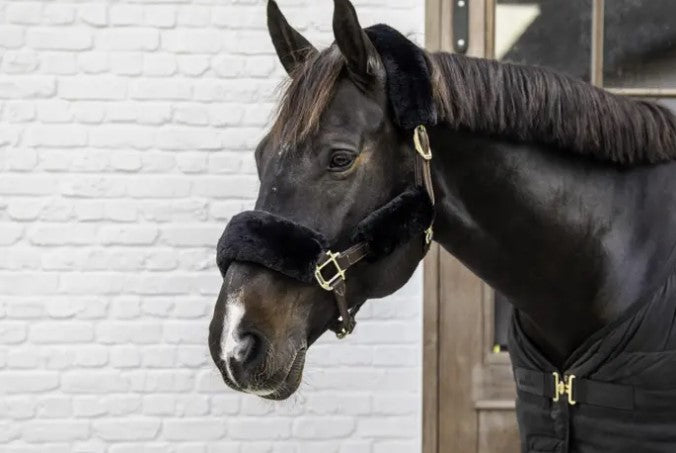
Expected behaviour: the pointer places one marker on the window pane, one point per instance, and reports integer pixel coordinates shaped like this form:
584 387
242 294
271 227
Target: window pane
640 43
552 33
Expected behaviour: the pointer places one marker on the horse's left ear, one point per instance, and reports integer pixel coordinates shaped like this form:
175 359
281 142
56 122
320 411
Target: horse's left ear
363 61
292 48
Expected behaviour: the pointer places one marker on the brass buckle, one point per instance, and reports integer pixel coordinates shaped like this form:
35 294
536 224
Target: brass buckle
564 387
429 234
422 142
339 275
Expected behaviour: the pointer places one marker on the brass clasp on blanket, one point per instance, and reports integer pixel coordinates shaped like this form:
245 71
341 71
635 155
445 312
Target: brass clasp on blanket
564 387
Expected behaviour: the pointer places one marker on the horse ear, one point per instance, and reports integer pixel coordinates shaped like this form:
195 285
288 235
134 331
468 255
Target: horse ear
292 48
361 56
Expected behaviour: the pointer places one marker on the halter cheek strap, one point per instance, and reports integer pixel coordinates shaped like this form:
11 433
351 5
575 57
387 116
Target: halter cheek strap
330 273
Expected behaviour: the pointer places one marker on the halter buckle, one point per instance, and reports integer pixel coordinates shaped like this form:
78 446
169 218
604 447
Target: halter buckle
429 235
329 284
422 142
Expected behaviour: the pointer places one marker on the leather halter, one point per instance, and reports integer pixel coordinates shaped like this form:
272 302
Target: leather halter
339 262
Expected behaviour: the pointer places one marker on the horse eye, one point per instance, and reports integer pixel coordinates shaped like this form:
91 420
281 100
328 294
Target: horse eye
341 160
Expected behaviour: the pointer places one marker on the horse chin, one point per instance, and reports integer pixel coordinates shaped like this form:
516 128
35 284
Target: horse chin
280 386
291 382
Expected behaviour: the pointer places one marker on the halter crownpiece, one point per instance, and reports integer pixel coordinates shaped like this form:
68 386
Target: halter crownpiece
303 254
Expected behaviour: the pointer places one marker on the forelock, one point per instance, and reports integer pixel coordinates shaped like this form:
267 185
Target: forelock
306 95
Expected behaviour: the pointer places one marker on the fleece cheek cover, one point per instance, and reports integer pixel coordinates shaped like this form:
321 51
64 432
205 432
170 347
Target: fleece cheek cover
403 218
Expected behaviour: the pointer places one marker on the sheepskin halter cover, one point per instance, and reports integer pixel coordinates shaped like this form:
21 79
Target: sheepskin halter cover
305 255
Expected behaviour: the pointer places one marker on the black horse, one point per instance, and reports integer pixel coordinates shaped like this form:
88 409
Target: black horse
558 194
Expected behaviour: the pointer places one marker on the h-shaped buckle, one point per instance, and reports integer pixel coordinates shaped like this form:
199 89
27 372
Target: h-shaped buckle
564 387
329 284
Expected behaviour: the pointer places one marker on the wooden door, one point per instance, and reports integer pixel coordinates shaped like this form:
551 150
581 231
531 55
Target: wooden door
468 389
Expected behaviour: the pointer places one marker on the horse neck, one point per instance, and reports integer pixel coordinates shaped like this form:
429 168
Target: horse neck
557 234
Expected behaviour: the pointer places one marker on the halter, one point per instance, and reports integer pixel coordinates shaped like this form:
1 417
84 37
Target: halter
302 253
340 262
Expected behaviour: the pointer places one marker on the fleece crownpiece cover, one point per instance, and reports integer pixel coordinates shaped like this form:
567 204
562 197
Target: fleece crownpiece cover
409 84
294 250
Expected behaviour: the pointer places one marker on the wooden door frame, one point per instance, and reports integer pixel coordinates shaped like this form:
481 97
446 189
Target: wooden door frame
461 377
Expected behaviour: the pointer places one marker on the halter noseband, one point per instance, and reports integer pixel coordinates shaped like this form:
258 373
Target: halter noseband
302 253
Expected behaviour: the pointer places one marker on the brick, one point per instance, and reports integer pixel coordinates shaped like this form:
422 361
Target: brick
128 332
259 428
161 381
28 382
19 62
55 431
27 13
61 332
127 429
12 332
92 63
125 356
193 41
126 15
193 65
185 332
128 39
159 64
59 39
161 90
92 88
128 235
11 37
95 14
10 233
29 87
194 430
165 187
191 236
161 16
126 63
26 283
56 14
97 382
60 63
55 407
19 111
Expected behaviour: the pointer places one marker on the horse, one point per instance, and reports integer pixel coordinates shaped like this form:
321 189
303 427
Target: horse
558 194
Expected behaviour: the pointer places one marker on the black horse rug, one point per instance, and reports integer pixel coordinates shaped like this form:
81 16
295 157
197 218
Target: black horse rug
620 397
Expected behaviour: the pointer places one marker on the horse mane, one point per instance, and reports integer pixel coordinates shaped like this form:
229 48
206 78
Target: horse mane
520 103
533 104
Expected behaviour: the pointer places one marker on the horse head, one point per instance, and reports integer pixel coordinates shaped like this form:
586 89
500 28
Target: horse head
334 155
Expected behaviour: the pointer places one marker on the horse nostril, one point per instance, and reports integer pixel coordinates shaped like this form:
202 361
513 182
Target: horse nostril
248 349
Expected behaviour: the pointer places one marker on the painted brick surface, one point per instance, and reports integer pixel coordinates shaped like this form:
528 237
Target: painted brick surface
126 138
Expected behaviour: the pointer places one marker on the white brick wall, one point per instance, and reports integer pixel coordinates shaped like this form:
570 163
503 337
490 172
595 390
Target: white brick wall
126 138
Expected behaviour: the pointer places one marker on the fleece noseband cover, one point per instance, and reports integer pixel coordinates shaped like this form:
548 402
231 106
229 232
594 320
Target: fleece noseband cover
294 250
